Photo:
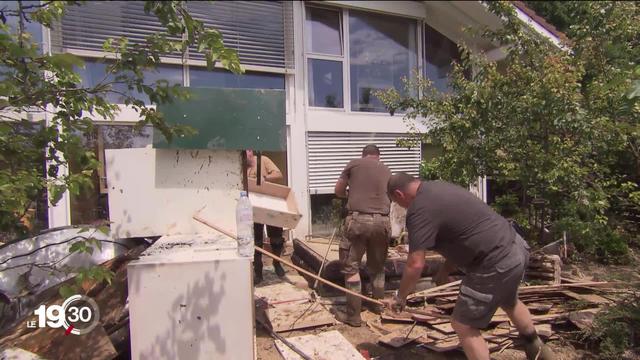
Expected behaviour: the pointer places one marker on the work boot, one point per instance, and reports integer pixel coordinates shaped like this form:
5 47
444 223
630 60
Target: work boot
354 304
536 349
277 247
257 273
377 290
278 268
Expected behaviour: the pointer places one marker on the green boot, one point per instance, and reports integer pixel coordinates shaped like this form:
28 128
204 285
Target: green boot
536 349
377 290
354 305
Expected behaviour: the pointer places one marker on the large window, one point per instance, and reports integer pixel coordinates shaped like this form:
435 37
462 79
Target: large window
382 50
324 47
94 73
378 51
439 55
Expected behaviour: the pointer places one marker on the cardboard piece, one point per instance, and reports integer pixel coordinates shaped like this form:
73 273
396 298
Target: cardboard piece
273 204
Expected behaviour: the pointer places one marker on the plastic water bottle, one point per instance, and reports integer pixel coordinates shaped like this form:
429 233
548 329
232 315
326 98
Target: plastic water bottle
244 222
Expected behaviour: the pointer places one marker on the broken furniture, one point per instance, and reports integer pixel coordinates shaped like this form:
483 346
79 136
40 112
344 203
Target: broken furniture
273 204
190 297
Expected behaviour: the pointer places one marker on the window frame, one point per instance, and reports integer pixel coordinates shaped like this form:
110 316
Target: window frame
337 58
343 12
423 40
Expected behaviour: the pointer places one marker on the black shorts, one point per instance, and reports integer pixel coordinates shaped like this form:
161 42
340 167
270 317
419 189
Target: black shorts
482 293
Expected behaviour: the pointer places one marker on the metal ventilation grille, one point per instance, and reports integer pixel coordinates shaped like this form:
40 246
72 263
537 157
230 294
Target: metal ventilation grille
329 152
254 29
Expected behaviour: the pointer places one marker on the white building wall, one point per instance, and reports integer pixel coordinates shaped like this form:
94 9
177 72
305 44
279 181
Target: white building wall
297 127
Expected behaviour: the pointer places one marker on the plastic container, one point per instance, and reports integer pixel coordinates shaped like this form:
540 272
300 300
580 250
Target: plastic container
244 223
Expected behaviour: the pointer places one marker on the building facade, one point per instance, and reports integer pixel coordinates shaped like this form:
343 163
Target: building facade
328 57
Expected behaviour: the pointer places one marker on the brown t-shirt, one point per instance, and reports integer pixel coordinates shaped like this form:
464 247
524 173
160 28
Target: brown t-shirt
452 221
267 167
367 179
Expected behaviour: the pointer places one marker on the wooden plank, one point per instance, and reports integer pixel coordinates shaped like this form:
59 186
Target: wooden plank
584 318
282 292
404 336
539 308
429 319
443 346
186 181
287 317
377 328
326 345
590 298
436 335
444 328
544 330
403 317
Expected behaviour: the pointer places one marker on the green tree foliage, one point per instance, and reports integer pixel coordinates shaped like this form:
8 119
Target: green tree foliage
558 13
560 123
45 109
43 104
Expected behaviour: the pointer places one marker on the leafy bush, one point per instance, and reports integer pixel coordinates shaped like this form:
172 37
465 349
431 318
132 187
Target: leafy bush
562 124
616 329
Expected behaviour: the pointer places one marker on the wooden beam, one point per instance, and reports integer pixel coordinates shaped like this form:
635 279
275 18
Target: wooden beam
285 262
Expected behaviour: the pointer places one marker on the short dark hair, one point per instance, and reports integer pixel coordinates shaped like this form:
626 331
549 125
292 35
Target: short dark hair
399 181
370 149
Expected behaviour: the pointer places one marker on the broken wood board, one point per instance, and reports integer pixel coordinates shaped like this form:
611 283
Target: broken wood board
402 337
377 328
326 345
185 181
436 335
539 308
424 319
288 317
281 293
544 330
584 318
443 346
445 328
590 298
404 317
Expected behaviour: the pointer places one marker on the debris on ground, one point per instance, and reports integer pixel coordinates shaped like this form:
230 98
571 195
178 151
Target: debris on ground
107 341
326 345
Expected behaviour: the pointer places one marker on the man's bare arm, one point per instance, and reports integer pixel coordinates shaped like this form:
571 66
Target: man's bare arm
274 175
411 274
442 277
341 188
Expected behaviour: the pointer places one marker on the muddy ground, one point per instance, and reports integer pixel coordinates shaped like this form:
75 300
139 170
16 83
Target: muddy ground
364 338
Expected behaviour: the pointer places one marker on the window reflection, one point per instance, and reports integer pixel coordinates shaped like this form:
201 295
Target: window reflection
94 73
440 53
382 50
218 78
323 31
325 83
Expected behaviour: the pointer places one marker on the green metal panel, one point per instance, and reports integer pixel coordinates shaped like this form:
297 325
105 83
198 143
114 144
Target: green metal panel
228 119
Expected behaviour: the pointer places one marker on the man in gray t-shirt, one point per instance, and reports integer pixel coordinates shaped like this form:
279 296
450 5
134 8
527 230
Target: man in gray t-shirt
473 238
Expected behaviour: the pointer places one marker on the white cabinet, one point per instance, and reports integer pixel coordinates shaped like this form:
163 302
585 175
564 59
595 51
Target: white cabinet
190 297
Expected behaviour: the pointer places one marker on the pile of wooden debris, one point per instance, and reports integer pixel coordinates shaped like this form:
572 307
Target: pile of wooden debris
427 318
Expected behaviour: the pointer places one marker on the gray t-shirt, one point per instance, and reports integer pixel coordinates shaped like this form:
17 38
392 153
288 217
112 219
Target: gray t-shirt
452 221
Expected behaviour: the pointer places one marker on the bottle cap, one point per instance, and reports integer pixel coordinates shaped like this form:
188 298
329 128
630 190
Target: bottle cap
243 194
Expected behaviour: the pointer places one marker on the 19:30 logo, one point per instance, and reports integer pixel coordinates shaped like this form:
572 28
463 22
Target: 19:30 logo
78 315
